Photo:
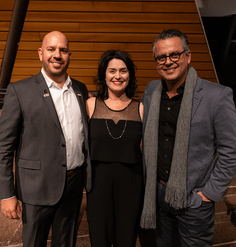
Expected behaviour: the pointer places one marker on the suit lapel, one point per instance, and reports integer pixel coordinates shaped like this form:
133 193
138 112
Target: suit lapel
197 97
47 98
81 101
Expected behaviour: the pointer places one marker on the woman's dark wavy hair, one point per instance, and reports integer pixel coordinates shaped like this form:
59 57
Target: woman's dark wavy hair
100 79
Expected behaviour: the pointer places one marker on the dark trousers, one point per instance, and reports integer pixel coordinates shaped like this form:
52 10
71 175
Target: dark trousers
189 227
63 216
115 204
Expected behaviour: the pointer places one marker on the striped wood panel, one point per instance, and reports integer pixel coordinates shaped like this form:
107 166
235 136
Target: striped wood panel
92 27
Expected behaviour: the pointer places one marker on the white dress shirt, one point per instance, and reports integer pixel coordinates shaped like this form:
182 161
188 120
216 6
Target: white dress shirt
69 114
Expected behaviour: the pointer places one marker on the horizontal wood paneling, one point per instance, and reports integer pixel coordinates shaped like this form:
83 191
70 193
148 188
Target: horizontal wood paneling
137 27
109 6
105 27
91 6
8 4
106 17
101 37
165 7
85 6
92 27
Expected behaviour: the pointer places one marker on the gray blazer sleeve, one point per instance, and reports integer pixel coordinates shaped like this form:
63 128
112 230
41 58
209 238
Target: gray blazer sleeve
10 128
224 129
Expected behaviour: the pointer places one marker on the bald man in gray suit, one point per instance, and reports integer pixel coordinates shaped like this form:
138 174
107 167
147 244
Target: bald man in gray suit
44 123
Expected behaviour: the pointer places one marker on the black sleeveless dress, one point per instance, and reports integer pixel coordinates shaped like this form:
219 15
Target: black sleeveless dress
115 201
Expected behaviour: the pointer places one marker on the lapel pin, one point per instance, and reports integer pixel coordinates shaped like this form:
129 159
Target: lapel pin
79 94
46 95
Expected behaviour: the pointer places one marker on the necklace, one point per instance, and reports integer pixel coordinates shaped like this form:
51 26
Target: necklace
109 132
107 126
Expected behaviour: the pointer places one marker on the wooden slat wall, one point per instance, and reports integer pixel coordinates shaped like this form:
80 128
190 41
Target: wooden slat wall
92 27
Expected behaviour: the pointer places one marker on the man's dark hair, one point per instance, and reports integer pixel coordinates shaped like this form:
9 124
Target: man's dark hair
172 33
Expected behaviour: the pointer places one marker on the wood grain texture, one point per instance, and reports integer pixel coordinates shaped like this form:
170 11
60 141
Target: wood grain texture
93 27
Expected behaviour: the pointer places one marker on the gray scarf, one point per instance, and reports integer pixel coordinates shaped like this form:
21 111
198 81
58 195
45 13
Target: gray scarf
176 191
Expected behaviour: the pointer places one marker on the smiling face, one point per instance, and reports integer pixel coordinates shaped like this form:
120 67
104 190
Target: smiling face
172 72
117 76
55 55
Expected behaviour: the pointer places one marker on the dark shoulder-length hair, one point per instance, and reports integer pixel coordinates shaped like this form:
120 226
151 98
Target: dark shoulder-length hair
100 79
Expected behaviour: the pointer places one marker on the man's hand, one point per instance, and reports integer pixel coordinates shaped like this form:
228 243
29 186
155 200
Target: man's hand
11 208
205 199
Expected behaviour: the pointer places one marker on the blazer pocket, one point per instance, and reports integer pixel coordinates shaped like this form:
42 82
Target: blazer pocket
29 164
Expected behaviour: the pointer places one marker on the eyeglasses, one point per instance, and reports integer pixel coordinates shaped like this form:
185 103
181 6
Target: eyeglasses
174 57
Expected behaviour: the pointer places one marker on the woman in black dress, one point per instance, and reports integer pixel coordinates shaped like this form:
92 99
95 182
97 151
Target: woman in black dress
115 125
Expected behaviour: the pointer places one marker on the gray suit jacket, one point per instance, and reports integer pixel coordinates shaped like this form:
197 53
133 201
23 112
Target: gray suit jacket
30 129
213 130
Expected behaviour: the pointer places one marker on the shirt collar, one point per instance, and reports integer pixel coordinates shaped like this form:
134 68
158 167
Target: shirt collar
51 83
180 89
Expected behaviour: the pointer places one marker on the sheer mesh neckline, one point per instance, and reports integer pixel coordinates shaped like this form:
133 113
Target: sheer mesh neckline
117 110
129 113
